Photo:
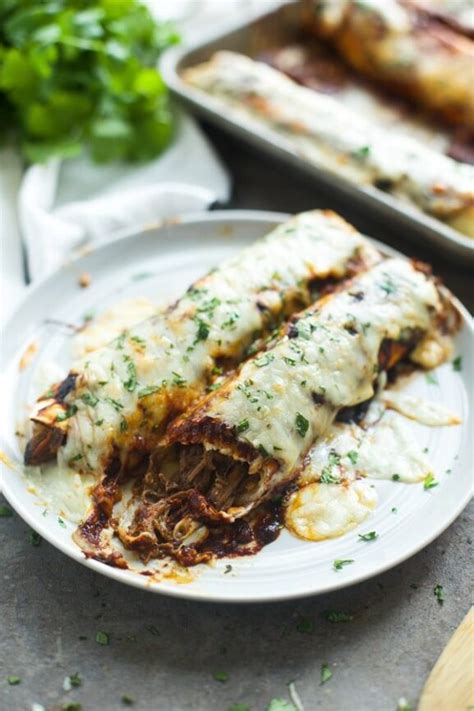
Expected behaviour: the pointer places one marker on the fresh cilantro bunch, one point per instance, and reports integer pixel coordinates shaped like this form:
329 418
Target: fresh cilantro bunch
77 73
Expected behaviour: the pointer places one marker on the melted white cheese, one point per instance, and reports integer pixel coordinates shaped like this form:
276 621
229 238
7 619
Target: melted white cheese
327 133
175 350
320 511
111 323
271 402
61 490
427 413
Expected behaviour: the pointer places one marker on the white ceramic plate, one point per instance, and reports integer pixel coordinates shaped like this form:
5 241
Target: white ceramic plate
161 263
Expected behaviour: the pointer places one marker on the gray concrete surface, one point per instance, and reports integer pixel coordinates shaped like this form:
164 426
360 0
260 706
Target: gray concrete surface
163 653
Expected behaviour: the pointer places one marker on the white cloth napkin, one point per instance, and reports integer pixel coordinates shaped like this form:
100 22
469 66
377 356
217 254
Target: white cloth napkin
67 206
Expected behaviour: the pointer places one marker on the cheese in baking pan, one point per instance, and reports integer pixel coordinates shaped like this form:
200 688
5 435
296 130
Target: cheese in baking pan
321 130
421 49
112 407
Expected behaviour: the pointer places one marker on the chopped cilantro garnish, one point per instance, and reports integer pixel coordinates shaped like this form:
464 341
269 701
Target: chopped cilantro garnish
395 477
228 569
429 482
352 456
139 341
231 320
75 458
69 412
123 425
394 509
326 673
114 403
243 426
61 522
339 564
5 511
120 340
216 370
388 286
221 676
131 383
203 330
371 536
71 706
280 705
178 380
305 625
264 360
292 362
89 399
362 152
403 705
439 593
262 450
102 638
302 424
334 616
153 630
35 538
148 390
431 379
127 700
99 423
457 364
327 477
14 680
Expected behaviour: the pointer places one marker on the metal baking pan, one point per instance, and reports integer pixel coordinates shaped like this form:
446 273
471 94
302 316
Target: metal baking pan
252 36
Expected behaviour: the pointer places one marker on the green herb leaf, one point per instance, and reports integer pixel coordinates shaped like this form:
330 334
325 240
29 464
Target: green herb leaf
280 705
14 680
5 511
148 390
35 539
334 616
395 477
127 700
262 450
326 673
431 379
439 593
71 706
457 364
339 564
353 456
362 152
89 399
243 426
371 536
203 330
69 412
221 676
131 383
429 482
305 625
264 360
102 638
302 424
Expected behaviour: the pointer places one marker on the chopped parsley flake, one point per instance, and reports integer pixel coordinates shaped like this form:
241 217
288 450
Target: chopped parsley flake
203 330
72 681
305 625
153 630
264 360
35 539
61 522
362 152
388 286
327 477
178 380
123 425
262 450
127 700
457 364
326 673
231 320
403 705
339 564
99 423
14 680
352 456
114 403
5 511
431 379
292 362
438 592
69 412
221 676
371 536
148 390
429 482
243 426
216 370
139 341
302 424
119 342
394 509
131 383
334 616
89 399
71 706
228 569
395 477
102 638
280 705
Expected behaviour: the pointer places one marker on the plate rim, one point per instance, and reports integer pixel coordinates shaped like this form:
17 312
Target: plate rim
186 591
